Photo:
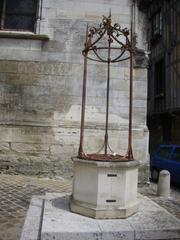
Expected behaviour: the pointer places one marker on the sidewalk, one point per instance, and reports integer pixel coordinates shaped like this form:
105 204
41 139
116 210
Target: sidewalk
16 192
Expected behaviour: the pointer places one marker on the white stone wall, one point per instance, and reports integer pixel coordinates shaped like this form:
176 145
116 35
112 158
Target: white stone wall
40 91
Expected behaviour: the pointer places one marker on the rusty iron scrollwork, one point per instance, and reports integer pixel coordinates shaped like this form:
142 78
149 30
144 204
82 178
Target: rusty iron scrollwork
115 39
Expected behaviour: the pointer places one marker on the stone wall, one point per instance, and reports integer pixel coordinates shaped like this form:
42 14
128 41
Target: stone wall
40 93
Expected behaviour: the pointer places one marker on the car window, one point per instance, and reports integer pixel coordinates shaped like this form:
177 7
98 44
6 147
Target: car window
176 155
164 152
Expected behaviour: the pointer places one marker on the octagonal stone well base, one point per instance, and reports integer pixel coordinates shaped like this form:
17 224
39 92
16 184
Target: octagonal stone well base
104 190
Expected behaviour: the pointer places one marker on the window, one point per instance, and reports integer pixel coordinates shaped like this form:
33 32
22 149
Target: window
159 78
164 152
18 15
157 25
176 155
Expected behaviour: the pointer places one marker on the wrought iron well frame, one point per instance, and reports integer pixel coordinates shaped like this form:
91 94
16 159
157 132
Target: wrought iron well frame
112 32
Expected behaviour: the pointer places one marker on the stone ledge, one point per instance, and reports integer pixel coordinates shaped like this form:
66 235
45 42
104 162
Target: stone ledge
108 164
23 35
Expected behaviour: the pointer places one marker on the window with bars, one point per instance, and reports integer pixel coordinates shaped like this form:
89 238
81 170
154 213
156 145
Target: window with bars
18 15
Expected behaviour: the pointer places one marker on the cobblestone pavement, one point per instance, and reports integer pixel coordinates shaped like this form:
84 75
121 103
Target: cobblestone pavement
15 195
16 192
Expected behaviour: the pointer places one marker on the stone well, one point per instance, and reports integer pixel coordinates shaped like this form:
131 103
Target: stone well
104 189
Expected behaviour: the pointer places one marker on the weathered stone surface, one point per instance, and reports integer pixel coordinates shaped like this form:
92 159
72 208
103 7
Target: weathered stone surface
33 220
104 190
60 149
151 222
29 148
4 147
40 90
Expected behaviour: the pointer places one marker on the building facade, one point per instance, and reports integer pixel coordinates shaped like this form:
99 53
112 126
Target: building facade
41 70
164 71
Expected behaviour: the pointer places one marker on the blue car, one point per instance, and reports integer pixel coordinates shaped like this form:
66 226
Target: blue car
166 157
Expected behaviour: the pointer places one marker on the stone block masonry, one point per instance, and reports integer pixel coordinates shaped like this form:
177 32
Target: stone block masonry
40 92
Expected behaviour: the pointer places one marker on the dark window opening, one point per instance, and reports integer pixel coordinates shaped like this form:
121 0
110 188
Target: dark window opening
166 120
157 24
156 27
18 14
159 78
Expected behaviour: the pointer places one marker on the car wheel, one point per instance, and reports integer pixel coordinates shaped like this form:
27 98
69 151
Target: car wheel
154 175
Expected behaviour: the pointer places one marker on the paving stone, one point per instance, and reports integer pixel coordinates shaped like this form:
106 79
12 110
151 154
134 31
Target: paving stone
149 223
16 192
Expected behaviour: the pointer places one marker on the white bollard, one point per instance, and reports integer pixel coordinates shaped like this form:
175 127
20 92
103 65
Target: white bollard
163 189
